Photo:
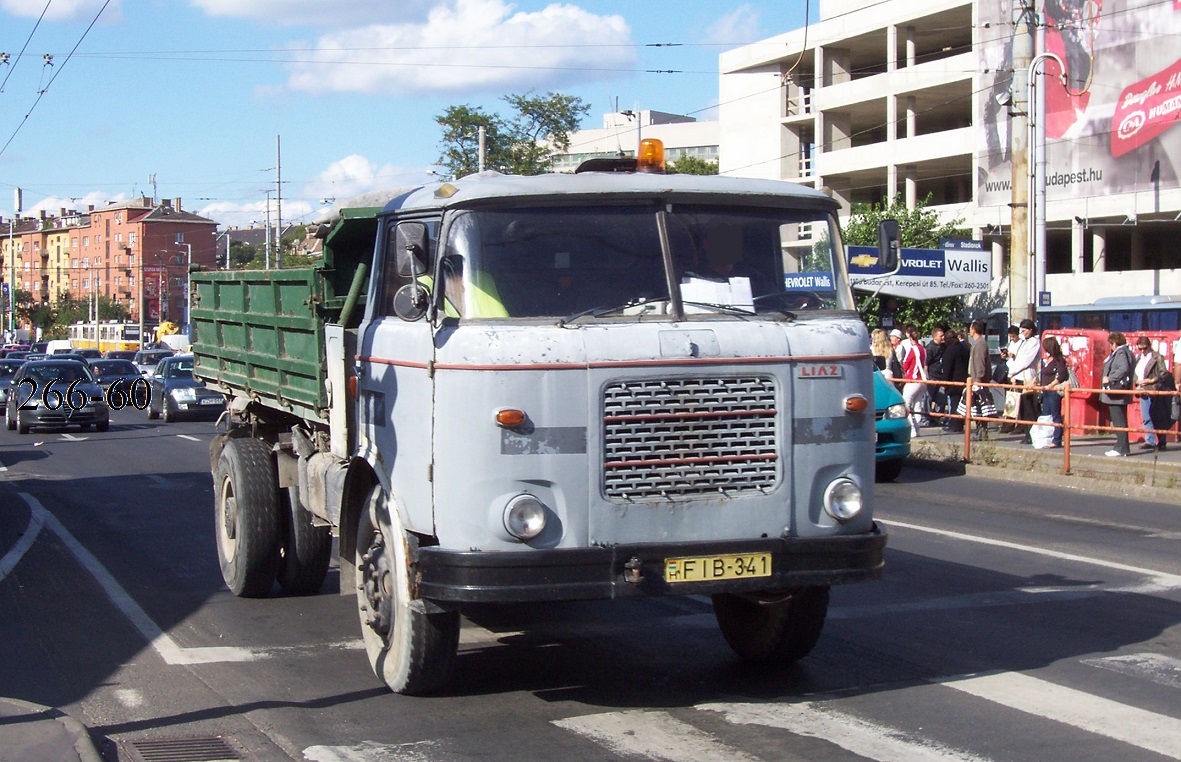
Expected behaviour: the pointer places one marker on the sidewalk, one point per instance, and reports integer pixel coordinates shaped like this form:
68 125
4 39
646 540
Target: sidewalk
33 733
1148 474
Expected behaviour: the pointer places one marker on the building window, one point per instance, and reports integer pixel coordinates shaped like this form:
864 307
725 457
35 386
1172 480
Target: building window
131 238
97 240
74 242
118 238
85 240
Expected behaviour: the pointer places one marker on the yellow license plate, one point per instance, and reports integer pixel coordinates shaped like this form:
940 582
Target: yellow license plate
705 568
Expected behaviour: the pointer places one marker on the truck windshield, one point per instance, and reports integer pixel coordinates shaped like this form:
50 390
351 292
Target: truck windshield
597 261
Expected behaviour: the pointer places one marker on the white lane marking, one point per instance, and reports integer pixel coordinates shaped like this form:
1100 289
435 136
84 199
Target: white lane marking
1163 578
1160 669
3 467
370 751
1138 727
188 437
74 438
652 735
853 734
17 552
129 697
164 645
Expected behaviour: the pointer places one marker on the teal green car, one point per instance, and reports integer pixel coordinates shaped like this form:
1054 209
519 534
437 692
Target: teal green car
893 428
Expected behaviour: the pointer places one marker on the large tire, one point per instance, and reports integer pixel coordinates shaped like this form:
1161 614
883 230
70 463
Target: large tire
103 425
152 414
888 470
165 414
304 557
775 630
21 428
246 515
9 420
411 650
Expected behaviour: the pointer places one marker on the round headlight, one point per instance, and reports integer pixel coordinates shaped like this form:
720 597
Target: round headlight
524 517
842 500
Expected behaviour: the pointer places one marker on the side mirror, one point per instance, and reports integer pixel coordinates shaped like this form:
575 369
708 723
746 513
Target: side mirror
411 249
411 302
889 245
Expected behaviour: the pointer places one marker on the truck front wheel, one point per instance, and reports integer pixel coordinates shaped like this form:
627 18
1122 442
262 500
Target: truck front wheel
410 648
779 628
247 516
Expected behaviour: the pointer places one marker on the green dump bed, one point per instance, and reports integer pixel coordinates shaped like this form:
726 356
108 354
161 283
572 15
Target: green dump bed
260 333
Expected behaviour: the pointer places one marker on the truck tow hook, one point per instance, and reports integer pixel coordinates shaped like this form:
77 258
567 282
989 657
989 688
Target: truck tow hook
631 571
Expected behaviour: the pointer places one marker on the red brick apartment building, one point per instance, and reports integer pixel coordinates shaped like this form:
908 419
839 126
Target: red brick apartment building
134 252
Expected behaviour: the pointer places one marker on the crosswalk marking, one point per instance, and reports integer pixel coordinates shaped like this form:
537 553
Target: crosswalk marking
1160 669
652 735
853 734
1138 727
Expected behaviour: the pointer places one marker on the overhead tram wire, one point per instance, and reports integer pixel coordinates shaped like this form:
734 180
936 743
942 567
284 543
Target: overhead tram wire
56 73
25 47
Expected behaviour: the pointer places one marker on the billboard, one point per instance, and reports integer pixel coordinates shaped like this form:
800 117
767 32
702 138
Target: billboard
924 273
1114 127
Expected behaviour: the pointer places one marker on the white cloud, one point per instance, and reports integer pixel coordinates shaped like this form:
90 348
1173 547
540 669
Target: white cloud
739 26
469 45
344 179
292 12
60 10
54 204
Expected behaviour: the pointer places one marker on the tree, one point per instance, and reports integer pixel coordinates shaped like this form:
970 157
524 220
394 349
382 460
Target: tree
692 165
512 145
921 229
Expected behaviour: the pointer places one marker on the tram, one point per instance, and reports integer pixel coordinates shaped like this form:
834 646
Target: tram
110 336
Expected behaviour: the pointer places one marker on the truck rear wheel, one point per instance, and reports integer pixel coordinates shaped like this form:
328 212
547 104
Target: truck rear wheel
247 516
411 650
771 627
304 557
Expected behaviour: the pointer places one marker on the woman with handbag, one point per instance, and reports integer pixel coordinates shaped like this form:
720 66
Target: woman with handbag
1150 369
1117 375
1055 374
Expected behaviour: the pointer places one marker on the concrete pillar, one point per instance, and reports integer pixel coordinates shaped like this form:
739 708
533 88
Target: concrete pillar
1099 250
891 182
892 48
912 189
911 116
836 63
891 118
1078 246
910 47
1139 256
838 127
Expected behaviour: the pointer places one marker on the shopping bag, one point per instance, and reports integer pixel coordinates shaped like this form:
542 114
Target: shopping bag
982 404
1012 403
1042 432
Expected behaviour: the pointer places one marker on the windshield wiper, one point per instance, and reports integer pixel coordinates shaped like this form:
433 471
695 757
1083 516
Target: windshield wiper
601 311
727 308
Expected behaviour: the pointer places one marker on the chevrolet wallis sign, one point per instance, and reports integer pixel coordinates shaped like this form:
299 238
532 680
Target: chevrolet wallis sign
964 267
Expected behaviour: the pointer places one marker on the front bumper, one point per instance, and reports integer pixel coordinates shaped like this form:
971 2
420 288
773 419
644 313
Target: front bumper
629 570
43 418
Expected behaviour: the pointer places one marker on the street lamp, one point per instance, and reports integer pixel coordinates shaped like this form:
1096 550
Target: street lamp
1037 174
188 273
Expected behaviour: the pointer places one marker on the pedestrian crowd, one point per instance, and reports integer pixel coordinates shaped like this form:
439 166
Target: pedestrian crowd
1038 366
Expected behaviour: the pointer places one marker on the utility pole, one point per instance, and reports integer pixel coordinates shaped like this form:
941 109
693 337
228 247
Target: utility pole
1020 301
278 202
17 198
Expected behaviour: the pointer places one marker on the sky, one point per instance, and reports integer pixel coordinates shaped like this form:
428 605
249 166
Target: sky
208 97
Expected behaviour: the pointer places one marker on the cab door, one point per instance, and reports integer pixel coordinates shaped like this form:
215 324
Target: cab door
395 390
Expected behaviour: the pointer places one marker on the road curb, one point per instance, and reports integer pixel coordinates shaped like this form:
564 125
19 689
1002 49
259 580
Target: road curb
33 728
1152 482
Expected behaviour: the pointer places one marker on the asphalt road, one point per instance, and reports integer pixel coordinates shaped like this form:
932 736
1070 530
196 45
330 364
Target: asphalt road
1013 622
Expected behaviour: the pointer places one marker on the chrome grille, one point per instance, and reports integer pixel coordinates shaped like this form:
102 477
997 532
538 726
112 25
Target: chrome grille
689 436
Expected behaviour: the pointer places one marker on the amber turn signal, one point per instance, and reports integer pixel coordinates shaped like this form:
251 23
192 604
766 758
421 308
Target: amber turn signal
510 418
855 403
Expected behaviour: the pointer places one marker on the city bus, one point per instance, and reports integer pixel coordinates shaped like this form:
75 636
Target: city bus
1129 314
110 336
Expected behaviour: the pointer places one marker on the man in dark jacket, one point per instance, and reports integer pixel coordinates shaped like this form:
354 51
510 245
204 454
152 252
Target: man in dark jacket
936 371
955 368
